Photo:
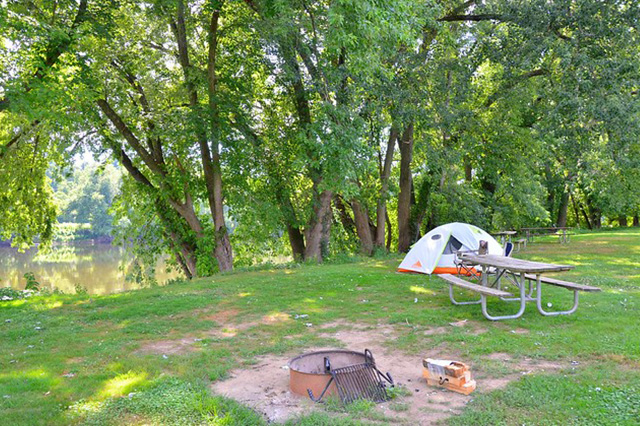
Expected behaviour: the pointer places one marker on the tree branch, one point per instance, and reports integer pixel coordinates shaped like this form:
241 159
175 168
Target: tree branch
126 162
154 143
474 18
130 137
14 140
494 97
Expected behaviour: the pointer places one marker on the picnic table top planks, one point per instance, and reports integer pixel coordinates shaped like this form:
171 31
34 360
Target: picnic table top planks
505 233
514 265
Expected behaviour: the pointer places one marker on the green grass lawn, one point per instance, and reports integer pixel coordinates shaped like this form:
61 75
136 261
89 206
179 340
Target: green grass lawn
81 359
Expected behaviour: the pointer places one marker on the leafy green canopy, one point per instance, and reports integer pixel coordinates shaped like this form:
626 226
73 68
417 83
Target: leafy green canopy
279 115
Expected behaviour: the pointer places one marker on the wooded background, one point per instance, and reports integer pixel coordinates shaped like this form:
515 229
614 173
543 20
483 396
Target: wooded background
255 128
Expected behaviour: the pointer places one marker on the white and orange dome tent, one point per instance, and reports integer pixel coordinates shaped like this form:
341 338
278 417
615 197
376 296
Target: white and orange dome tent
435 253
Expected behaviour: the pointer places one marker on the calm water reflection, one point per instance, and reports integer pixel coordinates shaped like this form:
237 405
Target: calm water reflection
95 267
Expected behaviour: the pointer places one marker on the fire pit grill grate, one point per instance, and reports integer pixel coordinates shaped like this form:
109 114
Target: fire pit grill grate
358 381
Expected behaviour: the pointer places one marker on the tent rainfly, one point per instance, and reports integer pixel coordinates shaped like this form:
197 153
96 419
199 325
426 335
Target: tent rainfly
435 253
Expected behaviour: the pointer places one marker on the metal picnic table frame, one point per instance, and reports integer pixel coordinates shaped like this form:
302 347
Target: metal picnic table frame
515 269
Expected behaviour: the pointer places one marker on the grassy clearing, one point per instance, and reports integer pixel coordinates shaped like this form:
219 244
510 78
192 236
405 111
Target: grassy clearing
82 359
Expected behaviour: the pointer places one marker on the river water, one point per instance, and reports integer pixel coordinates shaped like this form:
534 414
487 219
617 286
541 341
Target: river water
95 267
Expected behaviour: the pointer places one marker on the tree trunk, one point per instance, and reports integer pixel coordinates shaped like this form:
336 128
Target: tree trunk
178 236
594 214
389 231
551 189
468 170
362 227
317 230
185 255
586 217
223 251
636 220
327 221
296 239
210 157
404 198
314 230
622 220
562 210
381 210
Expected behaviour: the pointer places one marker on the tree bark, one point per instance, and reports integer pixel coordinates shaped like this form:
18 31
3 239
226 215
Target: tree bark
389 231
404 198
586 217
362 227
327 221
622 220
468 170
314 230
636 220
562 210
296 241
385 172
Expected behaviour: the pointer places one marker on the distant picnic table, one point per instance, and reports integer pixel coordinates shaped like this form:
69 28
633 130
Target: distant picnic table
505 235
562 231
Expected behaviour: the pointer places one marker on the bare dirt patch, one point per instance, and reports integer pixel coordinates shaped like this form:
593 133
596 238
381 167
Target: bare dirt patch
436 330
499 356
222 317
275 318
169 347
265 388
513 369
265 385
473 326
230 330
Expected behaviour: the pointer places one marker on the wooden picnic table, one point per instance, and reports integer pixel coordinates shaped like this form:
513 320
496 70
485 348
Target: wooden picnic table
518 271
512 264
530 232
505 235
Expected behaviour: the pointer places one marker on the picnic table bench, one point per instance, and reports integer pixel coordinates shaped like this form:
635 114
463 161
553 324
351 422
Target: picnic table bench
519 272
565 284
521 242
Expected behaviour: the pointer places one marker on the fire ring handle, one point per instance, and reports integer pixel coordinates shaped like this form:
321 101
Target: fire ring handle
368 357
